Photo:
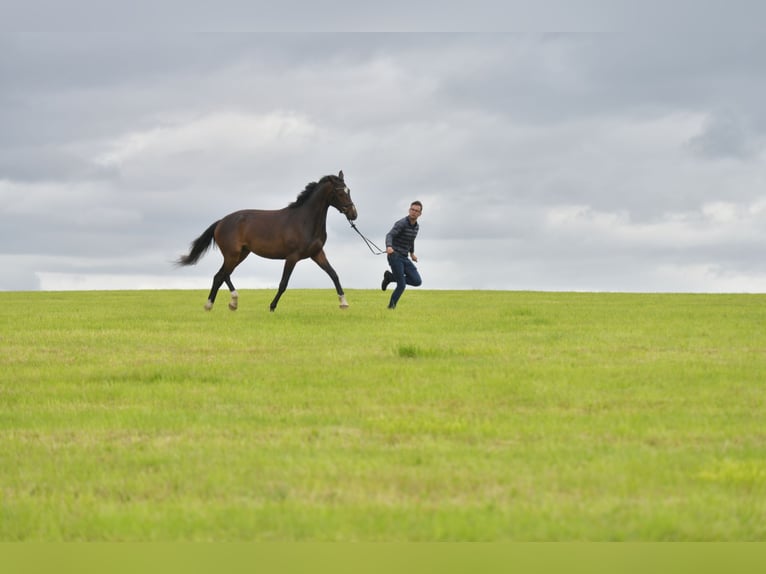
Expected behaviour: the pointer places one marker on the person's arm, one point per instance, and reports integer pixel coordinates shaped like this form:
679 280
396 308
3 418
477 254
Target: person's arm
390 238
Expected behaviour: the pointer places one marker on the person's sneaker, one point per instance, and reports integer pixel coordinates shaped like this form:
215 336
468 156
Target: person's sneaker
388 277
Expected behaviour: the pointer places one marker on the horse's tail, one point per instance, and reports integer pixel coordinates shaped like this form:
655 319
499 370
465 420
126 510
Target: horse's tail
199 246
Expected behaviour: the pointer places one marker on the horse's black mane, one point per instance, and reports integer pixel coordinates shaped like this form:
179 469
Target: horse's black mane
306 193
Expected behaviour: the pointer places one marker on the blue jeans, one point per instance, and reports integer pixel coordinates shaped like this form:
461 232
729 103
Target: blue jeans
405 273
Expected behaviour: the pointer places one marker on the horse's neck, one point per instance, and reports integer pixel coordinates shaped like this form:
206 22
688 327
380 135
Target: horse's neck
317 206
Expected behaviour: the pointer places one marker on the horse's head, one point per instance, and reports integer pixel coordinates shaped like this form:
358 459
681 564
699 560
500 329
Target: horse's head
341 197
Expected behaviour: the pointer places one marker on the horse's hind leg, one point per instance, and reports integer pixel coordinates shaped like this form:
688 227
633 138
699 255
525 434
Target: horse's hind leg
218 280
224 275
234 303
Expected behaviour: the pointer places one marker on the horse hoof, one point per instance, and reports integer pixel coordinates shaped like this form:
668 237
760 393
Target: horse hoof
208 305
343 305
232 307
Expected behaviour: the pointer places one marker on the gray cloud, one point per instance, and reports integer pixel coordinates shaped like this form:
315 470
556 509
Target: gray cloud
545 161
726 135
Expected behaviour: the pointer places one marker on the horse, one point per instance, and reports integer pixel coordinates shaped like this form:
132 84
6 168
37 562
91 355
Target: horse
294 233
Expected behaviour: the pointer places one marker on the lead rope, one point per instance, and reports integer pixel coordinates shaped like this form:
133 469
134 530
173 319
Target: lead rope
369 243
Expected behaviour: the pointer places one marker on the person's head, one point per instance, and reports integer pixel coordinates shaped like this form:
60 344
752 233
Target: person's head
416 208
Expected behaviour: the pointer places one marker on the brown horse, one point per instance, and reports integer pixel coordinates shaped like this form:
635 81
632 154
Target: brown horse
293 233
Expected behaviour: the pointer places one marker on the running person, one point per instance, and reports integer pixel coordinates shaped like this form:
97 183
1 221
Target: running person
400 247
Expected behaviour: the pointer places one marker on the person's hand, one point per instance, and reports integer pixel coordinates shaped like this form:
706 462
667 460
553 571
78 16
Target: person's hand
414 257
389 250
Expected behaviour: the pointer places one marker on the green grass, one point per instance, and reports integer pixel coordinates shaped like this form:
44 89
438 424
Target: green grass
489 416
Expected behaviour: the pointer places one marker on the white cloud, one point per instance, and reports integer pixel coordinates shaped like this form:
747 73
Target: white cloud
215 135
708 278
574 161
713 224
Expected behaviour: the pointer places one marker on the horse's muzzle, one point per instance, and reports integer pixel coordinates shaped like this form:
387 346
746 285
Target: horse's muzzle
350 212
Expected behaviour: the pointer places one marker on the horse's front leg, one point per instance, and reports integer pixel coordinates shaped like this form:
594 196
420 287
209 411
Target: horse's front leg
321 260
286 272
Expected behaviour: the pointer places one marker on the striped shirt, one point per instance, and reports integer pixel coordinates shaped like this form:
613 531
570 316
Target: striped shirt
402 236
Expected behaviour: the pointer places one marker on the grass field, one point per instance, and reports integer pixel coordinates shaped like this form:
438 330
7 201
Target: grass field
476 416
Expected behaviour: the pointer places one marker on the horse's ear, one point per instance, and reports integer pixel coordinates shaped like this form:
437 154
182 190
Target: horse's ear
340 174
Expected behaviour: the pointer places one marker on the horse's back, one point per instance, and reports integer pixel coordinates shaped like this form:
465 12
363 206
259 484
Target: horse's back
259 230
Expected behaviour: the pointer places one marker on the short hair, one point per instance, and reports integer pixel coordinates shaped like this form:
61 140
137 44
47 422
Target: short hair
416 202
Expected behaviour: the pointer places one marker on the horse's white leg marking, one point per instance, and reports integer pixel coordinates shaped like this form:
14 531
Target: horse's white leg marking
208 305
234 303
343 302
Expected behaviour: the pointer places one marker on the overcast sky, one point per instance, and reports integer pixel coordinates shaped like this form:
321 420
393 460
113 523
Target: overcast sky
595 160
